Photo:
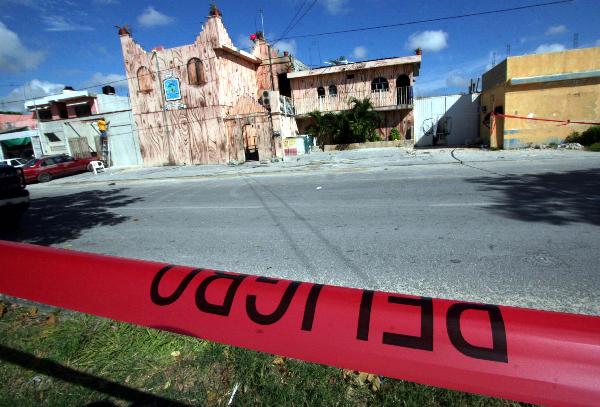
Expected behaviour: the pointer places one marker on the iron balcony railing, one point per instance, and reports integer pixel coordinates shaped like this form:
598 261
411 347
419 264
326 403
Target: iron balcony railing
401 98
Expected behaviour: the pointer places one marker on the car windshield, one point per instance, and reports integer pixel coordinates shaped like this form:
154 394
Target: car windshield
31 162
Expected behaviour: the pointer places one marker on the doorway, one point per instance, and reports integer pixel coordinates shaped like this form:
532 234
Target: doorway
403 90
250 142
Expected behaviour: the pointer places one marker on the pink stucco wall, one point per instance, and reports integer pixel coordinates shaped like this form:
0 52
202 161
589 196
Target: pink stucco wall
11 121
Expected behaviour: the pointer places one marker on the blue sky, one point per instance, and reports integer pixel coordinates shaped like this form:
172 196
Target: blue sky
46 44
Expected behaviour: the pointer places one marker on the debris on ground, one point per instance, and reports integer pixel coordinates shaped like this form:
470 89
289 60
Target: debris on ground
278 361
319 187
571 146
362 379
51 319
235 389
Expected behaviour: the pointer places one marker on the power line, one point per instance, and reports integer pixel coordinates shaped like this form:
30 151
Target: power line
287 27
296 23
430 20
461 16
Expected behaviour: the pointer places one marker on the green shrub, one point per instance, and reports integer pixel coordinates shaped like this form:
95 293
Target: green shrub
356 125
586 138
594 147
573 137
394 134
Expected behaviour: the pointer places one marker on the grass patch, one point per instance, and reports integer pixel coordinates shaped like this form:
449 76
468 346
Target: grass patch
179 368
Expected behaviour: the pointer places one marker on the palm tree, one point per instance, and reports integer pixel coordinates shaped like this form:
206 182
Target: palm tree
322 127
363 120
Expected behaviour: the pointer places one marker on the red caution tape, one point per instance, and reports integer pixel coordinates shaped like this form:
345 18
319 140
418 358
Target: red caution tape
515 353
564 122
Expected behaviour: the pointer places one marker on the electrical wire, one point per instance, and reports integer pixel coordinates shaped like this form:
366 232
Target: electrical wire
430 20
446 18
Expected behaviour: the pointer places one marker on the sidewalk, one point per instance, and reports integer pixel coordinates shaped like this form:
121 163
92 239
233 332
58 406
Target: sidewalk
339 160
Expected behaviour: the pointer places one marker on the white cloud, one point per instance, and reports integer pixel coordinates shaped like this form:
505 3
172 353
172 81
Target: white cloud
359 52
153 18
335 6
556 29
457 81
59 23
99 79
549 48
285 45
14 56
429 40
36 88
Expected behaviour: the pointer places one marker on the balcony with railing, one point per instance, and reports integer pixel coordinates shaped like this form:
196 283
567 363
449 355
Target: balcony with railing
400 98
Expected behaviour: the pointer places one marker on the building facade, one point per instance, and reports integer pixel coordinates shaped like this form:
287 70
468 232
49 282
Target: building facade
208 102
388 83
561 86
67 125
19 137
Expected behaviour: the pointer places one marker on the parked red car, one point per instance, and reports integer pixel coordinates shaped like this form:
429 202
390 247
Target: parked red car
54 166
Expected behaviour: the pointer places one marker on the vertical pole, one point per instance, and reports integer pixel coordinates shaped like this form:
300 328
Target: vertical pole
274 143
163 108
37 117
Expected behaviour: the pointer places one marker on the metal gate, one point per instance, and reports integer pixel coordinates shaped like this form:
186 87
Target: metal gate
79 147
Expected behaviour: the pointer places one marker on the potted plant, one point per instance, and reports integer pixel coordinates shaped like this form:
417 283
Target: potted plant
418 51
214 11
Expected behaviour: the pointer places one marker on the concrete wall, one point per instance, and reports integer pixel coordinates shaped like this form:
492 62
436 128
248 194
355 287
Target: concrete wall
111 103
578 101
459 111
575 60
568 97
123 139
125 149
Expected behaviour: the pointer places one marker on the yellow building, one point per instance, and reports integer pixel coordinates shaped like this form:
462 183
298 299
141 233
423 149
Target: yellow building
546 91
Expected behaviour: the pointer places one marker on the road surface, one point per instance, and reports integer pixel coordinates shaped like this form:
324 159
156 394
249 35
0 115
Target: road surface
523 233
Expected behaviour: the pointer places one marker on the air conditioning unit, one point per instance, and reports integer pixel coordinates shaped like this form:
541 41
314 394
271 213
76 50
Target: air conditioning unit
265 100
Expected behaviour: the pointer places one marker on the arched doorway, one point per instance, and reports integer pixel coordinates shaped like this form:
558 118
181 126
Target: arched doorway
404 90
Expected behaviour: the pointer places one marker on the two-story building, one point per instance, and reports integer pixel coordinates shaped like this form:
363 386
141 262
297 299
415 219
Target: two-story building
68 124
208 102
388 83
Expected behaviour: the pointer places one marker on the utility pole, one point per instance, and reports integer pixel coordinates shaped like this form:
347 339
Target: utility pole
163 107
576 40
493 59
507 50
270 113
37 117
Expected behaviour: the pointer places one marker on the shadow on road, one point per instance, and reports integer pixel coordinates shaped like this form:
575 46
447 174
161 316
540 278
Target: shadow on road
555 198
58 219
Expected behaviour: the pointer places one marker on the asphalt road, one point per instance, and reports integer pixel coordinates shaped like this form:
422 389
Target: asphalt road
523 233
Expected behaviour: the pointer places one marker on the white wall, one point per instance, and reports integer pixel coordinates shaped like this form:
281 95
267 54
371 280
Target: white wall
112 103
462 111
124 143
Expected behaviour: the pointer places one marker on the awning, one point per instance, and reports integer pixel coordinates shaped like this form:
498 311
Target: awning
16 142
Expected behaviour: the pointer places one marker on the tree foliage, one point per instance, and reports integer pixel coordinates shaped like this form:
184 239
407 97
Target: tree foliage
356 125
